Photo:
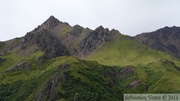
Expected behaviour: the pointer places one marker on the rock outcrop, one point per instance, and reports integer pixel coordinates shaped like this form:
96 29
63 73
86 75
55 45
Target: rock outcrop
94 40
134 84
22 65
126 72
49 91
71 38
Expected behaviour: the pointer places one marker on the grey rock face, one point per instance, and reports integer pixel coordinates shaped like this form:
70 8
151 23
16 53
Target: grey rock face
47 43
92 41
76 30
166 39
50 23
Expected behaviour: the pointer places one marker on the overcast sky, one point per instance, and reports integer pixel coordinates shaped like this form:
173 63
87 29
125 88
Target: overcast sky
130 17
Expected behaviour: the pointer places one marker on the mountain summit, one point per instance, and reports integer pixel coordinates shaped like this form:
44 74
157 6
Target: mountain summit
50 23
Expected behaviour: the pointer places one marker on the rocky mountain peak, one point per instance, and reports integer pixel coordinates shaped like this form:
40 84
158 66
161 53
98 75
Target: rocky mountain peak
113 31
77 29
99 29
50 23
52 17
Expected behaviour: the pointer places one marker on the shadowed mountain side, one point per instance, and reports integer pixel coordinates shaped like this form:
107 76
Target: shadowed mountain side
166 39
46 42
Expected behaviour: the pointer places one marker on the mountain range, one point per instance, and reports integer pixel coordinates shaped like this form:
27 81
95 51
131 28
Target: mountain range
59 62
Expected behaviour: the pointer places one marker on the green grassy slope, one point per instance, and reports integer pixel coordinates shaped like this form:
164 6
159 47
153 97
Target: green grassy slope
157 75
163 76
126 51
84 81
88 84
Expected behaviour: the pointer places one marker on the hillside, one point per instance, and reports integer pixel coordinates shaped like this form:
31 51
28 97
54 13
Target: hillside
165 39
56 61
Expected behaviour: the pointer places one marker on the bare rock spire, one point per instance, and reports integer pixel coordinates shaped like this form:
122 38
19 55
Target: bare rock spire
50 23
